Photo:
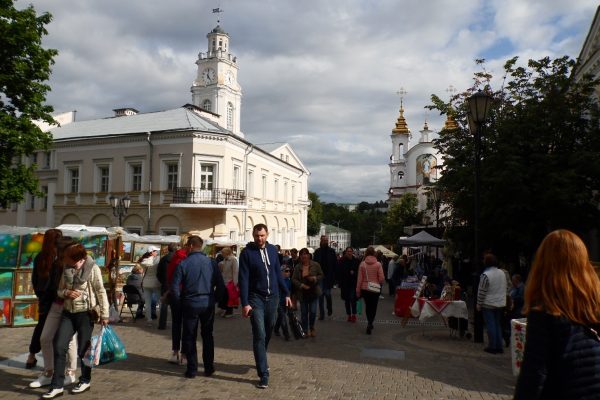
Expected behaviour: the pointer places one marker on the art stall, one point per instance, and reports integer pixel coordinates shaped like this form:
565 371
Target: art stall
18 248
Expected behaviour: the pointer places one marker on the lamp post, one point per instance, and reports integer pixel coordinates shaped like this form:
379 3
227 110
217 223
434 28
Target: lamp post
120 206
479 107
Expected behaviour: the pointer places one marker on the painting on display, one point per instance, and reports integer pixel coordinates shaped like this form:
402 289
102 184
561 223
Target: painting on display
96 248
23 285
124 272
141 248
105 276
126 250
426 169
6 283
5 306
31 245
25 314
9 249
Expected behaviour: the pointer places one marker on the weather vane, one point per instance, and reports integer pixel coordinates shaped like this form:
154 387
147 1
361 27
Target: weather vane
451 89
401 93
217 11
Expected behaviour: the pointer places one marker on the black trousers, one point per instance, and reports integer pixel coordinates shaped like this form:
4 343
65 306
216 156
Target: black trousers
371 300
191 317
71 323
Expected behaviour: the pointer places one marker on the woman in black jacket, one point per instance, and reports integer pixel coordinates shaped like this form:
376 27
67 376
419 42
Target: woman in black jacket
562 304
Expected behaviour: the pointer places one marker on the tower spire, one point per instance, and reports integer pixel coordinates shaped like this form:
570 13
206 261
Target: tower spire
401 126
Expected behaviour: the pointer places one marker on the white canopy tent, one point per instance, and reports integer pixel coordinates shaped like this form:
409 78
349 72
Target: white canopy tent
422 238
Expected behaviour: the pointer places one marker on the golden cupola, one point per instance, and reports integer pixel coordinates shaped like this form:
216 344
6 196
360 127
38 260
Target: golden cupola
401 126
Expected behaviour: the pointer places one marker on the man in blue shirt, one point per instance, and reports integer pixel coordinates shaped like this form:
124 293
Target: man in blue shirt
198 284
260 282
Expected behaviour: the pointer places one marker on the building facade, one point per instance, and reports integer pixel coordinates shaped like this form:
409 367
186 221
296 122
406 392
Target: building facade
183 169
339 238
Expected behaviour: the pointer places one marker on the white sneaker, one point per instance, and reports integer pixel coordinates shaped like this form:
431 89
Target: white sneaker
42 380
81 387
174 359
52 393
70 379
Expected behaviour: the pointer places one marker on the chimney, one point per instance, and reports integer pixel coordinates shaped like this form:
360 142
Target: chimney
124 112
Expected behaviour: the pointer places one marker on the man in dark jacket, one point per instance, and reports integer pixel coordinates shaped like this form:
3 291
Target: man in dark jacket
260 282
198 284
161 275
327 259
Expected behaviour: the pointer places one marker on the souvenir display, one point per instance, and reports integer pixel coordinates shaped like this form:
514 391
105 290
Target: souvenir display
31 245
23 285
25 314
6 283
5 308
126 250
9 243
142 248
96 248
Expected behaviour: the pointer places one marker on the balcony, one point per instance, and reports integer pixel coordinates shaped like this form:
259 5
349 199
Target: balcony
196 197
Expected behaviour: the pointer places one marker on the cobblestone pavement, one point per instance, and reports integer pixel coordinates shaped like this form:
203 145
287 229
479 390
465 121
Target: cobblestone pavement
342 362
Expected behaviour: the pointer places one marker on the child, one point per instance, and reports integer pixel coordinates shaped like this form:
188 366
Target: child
281 311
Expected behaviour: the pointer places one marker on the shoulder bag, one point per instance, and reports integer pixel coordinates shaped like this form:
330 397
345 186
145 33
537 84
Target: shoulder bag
93 311
372 286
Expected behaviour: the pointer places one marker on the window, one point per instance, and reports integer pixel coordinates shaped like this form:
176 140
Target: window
230 116
293 193
31 204
134 229
45 198
276 190
172 175
34 158
236 177
136 177
169 231
47 160
264 187
285 192
73 177
250 183
207 176
207 105
104 178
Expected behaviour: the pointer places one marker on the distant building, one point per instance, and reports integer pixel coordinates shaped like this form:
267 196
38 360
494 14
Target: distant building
339 238
187 168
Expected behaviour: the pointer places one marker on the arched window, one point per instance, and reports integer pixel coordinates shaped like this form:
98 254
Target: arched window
230 116
207 105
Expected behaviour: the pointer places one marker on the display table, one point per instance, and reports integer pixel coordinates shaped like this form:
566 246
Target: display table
403 301
424 308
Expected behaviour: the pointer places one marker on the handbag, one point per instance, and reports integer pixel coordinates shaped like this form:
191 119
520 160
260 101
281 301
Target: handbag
295 324
233 295
372 286
95 310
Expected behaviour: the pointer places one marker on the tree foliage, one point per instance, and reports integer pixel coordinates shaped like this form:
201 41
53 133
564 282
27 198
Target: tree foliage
24 68
540 152
315 214
400 214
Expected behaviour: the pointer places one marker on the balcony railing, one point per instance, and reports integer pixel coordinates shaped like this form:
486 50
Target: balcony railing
197 195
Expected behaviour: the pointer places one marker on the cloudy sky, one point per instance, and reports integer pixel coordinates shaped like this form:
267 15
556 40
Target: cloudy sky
321 75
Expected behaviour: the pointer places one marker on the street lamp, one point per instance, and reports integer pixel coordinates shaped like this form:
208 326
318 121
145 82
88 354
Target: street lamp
479 108
120 206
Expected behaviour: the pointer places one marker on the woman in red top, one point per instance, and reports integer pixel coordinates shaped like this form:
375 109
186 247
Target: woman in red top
370 274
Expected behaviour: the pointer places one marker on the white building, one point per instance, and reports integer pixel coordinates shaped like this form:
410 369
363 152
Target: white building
413 169
339 238
187 168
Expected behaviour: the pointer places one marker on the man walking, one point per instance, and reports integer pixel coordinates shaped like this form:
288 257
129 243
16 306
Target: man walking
198 283
327 259
260 282
161 274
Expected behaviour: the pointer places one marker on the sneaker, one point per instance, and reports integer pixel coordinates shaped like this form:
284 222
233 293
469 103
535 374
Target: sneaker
42 380
81 387
263 383
70 379
174 359
52 393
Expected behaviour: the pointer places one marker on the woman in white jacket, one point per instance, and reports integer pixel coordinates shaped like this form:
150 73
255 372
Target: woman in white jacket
150 282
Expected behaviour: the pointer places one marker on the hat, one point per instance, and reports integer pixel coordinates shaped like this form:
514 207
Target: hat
153 248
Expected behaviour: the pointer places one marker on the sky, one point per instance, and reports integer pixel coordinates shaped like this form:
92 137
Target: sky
321 75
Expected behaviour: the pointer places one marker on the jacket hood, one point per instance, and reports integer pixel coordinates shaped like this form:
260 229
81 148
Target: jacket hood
370 260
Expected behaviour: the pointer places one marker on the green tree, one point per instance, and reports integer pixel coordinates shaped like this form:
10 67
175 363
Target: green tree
315 214
400 214
24 68
540 152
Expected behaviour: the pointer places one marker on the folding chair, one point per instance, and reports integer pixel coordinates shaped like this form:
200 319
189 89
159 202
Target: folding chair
132 297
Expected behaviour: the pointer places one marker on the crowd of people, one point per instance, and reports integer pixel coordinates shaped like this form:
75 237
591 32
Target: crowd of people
560 300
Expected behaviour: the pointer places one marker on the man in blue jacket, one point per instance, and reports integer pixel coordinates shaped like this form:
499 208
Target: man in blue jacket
198 284
327 259
260 281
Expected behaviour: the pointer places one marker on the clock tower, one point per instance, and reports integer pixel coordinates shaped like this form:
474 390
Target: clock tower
216 88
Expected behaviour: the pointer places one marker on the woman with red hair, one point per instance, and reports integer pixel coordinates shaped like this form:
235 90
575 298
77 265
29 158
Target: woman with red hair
562 304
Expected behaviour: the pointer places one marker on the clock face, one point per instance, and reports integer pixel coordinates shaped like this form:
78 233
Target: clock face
208 75
229 78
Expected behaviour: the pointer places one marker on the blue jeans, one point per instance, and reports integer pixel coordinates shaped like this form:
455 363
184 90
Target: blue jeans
262 318
308 313
71 323
191 317
325 296
350 302
493 324
282 320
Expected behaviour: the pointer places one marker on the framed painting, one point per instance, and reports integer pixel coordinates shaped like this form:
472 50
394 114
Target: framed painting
124 271
31 245
23 286
25 313
126 251
140 249
96 247
9 250
6 283
5 312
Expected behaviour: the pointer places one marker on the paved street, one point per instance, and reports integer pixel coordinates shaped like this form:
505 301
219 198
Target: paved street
342 362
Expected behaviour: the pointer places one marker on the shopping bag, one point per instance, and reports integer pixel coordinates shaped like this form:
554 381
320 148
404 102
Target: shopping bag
92 355
112 347
233 295
295 324
113 315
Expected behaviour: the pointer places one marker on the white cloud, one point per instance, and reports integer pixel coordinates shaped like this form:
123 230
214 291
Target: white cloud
318 74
